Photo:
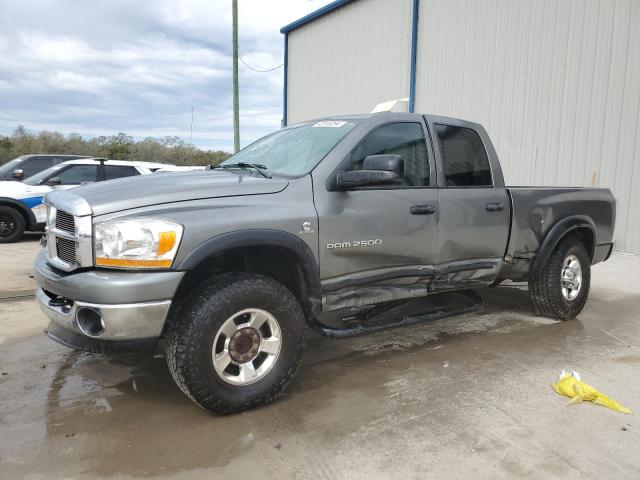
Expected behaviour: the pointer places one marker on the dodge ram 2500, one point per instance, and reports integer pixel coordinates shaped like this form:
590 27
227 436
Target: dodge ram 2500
322 223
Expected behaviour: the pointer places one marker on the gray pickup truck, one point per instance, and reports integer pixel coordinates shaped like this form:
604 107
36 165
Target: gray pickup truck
328 223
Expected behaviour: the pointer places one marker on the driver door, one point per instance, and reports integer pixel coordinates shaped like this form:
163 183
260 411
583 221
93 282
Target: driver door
382 235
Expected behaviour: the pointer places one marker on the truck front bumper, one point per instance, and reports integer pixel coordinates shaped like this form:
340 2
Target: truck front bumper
102 310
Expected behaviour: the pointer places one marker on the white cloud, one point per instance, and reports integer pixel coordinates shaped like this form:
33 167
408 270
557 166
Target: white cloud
96 68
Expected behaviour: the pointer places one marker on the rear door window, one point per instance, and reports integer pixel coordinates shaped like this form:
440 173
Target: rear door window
35 165
465 160
119 171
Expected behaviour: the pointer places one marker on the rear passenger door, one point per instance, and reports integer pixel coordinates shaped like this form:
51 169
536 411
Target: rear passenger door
474 207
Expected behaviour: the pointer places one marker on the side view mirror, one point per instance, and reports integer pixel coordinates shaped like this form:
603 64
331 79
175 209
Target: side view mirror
376 170
18 174
53 181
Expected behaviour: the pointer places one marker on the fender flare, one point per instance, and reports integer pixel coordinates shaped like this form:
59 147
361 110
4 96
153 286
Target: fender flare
30 219
557 233
263 237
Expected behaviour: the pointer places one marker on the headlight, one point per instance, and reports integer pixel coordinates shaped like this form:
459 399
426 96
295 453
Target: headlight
137 243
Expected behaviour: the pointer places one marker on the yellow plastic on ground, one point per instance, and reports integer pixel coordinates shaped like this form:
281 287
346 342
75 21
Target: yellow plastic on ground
571 386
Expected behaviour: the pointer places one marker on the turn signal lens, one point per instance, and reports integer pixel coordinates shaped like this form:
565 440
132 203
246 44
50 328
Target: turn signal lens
166 242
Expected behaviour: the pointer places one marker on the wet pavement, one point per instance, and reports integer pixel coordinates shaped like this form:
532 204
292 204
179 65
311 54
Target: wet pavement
463 397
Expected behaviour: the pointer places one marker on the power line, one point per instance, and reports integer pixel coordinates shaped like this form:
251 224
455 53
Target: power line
260 71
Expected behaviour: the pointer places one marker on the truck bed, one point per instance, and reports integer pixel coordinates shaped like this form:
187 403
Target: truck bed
534 210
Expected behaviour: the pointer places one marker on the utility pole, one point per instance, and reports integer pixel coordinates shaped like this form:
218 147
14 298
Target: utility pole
236 102
191 137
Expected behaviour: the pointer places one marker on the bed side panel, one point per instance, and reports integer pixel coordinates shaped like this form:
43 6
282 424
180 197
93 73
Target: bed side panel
536 210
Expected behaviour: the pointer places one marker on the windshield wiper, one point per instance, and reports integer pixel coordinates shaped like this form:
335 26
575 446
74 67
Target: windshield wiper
256 166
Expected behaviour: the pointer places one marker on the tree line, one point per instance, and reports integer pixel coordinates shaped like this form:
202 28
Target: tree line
116 147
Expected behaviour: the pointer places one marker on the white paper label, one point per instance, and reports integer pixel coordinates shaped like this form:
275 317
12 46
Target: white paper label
329 124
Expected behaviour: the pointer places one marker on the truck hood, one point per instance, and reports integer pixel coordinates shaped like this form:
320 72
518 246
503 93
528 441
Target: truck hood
158 188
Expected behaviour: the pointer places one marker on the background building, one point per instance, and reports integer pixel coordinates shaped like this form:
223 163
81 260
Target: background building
555 82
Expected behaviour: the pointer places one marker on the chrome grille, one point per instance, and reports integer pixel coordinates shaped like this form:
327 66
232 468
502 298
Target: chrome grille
66 250
69 232
66 222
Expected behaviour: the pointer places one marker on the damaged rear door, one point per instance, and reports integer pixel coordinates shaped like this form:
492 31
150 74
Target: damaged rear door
474 206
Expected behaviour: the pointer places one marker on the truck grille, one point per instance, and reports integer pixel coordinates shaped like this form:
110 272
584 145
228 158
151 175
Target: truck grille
65 221
66 250
69 238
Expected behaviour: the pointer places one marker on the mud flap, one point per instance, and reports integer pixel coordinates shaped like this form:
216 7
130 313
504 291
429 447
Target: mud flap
410 312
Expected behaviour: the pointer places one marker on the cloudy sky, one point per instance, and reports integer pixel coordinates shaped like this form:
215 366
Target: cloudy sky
103 66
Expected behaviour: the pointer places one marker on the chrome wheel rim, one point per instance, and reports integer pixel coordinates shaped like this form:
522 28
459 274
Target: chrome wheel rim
246 346
571 278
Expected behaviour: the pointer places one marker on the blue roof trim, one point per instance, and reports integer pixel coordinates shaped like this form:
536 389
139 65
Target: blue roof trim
313 15
414 55
285 101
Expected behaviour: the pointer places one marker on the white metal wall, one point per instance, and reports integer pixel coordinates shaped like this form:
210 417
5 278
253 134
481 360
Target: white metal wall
556 84
349 60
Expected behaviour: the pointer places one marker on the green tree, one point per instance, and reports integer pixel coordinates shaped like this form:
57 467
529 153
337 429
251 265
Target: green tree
168 149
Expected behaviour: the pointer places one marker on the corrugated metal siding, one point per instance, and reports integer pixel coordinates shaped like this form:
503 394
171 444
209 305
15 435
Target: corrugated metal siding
349 60
556 84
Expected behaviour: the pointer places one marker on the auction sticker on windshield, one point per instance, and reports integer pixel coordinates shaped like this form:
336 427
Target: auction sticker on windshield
329 124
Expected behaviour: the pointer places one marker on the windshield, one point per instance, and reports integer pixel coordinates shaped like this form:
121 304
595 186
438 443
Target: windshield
7 168
38 177
294 150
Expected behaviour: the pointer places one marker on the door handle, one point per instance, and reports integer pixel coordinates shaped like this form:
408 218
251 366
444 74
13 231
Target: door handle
494 207
423 209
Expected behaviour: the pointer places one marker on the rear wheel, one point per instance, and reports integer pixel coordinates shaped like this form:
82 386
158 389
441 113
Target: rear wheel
561 289
236 342
11 225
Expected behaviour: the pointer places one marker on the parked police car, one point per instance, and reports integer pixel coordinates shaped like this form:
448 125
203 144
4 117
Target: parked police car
21 206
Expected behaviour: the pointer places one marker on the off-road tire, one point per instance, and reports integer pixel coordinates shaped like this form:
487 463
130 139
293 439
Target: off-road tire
18 221
545 289
193 327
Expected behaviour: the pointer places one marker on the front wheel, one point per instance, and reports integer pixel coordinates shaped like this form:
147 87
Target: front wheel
12 225
236 342
561 289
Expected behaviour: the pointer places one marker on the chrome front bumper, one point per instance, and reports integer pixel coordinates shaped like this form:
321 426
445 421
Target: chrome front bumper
133 321
131 307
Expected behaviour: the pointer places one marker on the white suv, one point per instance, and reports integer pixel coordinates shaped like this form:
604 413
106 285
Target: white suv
21 206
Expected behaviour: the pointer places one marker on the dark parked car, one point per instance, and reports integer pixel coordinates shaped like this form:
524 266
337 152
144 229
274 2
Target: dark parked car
26 166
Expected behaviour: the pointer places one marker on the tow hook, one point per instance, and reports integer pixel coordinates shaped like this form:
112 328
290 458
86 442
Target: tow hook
60 302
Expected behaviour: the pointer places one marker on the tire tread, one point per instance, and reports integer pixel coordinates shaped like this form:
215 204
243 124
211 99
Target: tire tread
189 319
544 288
